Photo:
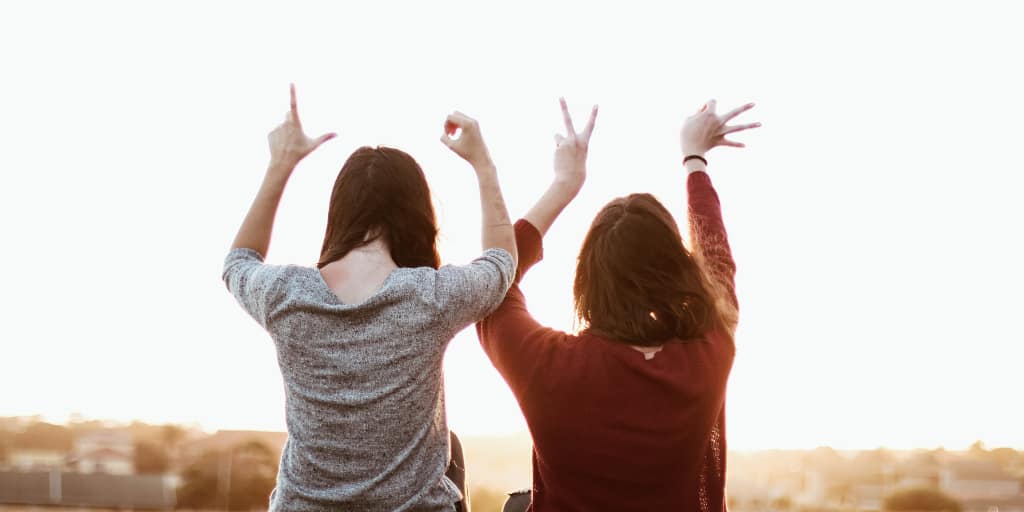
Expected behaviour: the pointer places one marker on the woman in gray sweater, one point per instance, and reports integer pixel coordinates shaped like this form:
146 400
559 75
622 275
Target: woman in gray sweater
360 338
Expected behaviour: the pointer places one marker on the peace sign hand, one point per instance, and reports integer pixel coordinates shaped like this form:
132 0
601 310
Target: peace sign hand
288 143
571 149
705 129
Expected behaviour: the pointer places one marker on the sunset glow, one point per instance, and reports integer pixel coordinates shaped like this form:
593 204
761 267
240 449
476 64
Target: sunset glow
875 217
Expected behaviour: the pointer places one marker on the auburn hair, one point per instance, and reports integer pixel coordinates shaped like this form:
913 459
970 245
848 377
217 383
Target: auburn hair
382 193
638 284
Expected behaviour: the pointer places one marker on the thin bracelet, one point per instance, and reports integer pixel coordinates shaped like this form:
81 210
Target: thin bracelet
695 157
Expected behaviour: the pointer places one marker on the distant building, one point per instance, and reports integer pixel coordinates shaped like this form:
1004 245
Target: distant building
224 440
23 459
104 460
918 472
103 451
972 480
58 488
848 483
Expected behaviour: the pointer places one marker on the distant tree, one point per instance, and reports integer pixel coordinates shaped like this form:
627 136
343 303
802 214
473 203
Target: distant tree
172 436
150 458
199 481
239 479
44 436
924 458
83 425
839 492
825 454
920 500
977 448
251 487
1004 456
822 458
877 458
142 431
6 438
782 503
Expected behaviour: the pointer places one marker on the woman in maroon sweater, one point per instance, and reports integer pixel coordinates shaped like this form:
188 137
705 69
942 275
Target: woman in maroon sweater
629 413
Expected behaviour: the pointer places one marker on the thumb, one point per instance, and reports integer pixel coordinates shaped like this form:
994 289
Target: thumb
324 138
448 141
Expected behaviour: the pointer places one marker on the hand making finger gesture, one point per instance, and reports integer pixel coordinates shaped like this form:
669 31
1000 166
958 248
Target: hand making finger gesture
469 143
288 143
706 129
571 148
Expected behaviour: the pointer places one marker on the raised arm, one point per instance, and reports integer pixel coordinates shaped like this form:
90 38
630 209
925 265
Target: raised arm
288 145
497 231
570 172
702 132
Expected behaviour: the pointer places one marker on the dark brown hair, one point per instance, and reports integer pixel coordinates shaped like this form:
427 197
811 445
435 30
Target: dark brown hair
382 193
637 283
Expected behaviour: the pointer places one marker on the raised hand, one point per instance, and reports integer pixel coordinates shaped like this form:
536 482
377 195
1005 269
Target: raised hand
570 172
571 149
704 130
288 143
496 229
470 143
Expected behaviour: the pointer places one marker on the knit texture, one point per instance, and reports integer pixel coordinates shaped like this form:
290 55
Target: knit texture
363 383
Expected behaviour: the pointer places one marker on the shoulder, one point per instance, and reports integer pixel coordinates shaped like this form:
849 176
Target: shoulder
290 280
296 275
493 268
242 258
418 283
710 357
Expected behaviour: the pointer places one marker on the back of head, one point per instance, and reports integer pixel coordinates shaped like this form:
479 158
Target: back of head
382 193
635 280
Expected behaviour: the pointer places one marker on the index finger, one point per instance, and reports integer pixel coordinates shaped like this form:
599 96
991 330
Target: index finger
737 111
567 118
295 104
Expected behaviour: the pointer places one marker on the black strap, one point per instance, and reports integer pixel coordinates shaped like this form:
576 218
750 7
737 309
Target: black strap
694 157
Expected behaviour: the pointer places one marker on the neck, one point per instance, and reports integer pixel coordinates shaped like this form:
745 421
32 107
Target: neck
375 253
360 273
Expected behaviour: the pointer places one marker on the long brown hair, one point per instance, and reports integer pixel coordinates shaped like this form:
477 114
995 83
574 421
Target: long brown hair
637 283
382 193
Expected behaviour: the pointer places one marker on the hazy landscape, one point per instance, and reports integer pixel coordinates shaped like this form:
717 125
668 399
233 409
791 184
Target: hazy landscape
144 466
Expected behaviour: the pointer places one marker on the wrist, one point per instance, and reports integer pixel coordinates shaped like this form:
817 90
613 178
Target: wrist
695 164
485 168
567 186
696 151
280 169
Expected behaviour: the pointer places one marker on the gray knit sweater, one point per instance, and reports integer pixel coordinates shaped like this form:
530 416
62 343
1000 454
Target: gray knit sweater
363 385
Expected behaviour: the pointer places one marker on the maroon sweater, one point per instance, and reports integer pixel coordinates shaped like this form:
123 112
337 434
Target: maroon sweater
613 430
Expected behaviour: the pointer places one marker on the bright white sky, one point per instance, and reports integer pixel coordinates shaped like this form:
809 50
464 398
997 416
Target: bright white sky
875 217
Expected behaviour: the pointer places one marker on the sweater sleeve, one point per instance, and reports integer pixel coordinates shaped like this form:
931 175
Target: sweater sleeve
255 285
707 232
516 343
467 293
